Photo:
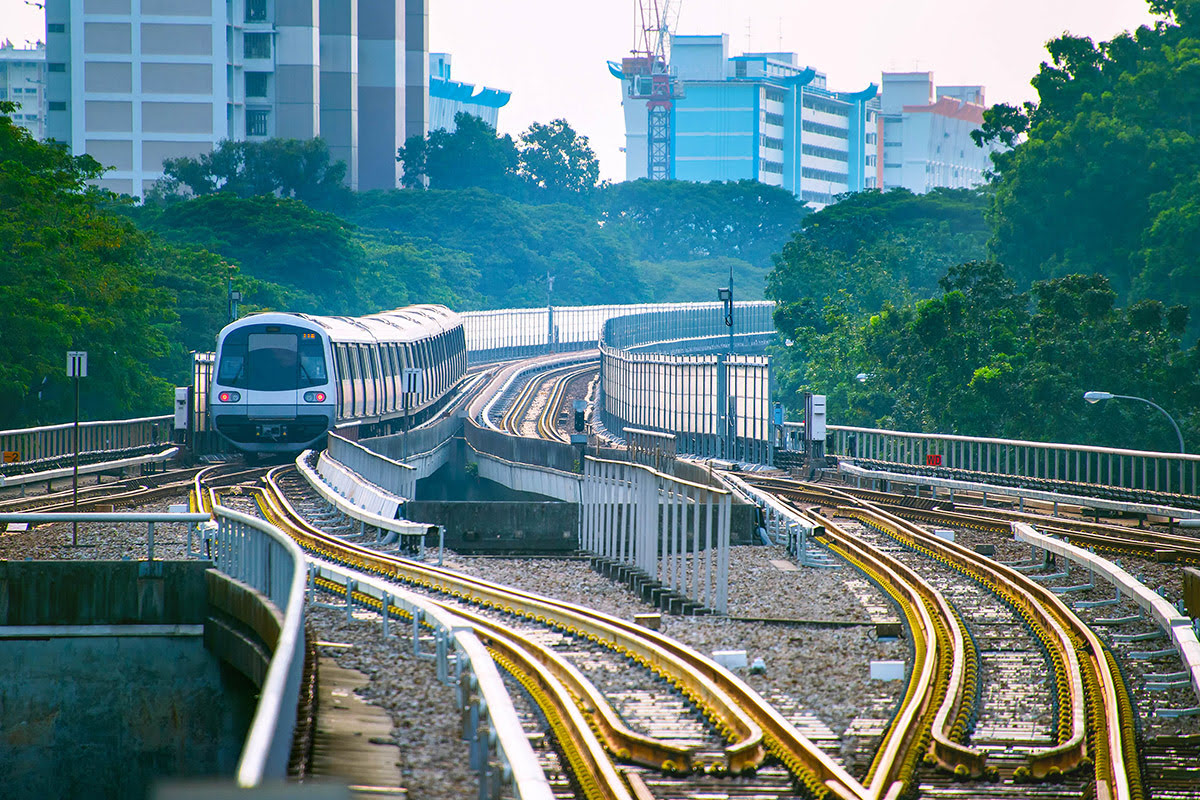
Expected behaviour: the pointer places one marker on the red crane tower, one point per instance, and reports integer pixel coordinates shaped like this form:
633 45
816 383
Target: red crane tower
651 80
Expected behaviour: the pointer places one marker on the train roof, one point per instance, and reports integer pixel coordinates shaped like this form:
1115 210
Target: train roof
408 324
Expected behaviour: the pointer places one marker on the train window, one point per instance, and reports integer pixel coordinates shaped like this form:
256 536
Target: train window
312 361
232 369
271 361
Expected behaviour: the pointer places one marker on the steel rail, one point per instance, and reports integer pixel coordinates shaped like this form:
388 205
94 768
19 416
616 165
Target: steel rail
941 641
744 754
739 711
1088 675
547 421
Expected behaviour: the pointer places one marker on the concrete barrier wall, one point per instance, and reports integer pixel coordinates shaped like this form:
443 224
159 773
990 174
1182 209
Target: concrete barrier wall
105 681
480 527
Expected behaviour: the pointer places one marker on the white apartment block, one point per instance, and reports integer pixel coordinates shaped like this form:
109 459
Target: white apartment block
23 82
925 134
135 82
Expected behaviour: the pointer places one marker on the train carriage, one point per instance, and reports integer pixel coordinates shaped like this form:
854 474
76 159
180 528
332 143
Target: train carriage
283 380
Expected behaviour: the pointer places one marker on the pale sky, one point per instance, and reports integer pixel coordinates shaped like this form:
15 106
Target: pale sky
551 53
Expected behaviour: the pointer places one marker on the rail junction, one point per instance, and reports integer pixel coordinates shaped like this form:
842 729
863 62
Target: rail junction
891 615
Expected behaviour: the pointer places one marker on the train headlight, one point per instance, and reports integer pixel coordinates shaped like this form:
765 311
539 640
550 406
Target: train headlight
229 397
314 397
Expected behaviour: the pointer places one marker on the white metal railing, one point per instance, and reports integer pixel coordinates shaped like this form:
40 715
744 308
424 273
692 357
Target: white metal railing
1144 470
56 441
674 531
260 555
509 333
500 749
717 405
393 476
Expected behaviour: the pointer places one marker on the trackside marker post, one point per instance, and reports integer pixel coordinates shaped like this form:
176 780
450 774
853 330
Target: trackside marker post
76 369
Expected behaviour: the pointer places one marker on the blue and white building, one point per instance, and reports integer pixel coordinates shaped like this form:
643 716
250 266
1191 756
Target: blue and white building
759 116
448 97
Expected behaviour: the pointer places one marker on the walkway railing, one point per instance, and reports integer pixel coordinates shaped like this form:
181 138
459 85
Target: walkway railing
674 531
259 554
1131 469
510 333
57 441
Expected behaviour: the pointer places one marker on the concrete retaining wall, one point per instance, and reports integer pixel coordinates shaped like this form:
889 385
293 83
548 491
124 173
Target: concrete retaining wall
482 527
105 681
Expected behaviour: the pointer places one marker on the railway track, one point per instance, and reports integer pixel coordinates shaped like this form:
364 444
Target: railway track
687 721
132 491
541 397
1094 721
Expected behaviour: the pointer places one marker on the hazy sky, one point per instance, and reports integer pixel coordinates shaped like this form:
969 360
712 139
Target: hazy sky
551 53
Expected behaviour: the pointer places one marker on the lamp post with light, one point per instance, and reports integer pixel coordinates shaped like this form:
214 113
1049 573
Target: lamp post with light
1096 397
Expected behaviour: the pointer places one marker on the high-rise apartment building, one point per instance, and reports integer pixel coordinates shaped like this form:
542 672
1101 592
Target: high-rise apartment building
757 116
448 97
925 134
134 82
23 82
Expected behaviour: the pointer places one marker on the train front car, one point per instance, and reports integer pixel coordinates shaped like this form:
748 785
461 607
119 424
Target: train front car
273 390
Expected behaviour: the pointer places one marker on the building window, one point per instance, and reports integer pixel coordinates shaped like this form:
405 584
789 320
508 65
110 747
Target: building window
58 105
776 95
770 142
739 69
773 119
823 175
257 45
257 121
827 130
824 152
256 84
55 27
3 94
770 166
256 10
826 105
56 67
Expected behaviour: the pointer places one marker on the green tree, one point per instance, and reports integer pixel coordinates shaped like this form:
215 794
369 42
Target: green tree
1102 175
555 158
471 155
73 275
302 169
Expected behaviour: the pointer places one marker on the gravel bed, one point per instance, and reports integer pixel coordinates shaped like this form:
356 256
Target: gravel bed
99 541
824 670
426 724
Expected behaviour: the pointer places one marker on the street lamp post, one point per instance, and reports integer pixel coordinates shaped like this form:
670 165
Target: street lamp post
1096 397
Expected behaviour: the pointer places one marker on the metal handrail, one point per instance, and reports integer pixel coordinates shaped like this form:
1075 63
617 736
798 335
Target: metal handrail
89 424
269 741
955 437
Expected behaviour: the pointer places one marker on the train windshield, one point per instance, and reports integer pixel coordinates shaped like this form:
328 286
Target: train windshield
272 358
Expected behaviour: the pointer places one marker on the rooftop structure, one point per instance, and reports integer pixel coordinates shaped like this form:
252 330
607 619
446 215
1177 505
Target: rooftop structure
760 116
448 97
925 134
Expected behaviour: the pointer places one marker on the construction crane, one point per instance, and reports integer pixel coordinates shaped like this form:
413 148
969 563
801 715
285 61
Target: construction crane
651 80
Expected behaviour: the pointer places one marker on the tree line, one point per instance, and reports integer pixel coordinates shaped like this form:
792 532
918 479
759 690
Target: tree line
142 285
991 312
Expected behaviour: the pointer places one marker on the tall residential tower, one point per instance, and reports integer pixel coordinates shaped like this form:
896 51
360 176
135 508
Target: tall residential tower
134 82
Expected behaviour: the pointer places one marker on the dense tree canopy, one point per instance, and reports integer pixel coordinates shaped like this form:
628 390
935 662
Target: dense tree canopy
284 167
471 155
1104 175
75 275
